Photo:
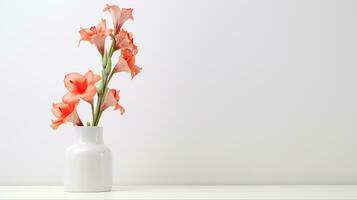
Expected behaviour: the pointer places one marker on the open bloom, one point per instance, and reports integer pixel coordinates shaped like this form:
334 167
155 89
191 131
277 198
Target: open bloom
112 99
126 63
125 40
80 87
65 112
119 16
96 35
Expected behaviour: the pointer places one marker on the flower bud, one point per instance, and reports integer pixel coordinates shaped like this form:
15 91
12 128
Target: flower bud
100 87
108 67
105 59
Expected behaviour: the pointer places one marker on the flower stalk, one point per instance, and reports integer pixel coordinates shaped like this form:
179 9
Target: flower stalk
85 87
106 60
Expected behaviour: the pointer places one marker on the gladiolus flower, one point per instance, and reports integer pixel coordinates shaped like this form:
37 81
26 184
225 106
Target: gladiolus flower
112 99
126 63
125 40
119 16
96 35
65 112
80 87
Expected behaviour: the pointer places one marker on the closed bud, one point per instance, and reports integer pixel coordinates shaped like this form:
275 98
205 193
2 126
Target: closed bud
100 87
104 75
108 67
105 59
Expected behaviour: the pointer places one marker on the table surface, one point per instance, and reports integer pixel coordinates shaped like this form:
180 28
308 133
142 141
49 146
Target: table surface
277 192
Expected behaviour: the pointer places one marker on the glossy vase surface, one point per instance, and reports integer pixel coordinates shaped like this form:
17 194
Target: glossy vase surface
88 162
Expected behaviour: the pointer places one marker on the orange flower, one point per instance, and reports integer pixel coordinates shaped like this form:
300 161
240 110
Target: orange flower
124 40
96 35
112 99
126 63
80 86
65 112
119 16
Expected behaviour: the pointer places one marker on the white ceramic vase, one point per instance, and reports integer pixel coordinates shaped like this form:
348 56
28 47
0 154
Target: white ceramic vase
88 162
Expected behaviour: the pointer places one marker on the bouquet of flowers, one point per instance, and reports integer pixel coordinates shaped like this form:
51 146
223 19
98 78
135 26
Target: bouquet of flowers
86 87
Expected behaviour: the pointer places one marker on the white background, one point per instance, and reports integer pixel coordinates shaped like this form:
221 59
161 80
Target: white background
232 92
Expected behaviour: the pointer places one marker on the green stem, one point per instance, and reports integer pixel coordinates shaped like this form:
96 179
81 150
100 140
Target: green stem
92 108
112 46
102 99
110 76
98 112
97 109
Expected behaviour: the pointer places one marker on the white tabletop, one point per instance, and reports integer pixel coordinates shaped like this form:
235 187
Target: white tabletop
186 192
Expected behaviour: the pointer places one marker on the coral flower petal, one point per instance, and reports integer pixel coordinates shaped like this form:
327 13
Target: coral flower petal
65 112
91 77
124 40
80 87
69 97
96 35
71 79
112 99
99 42
119 16
126 63
89 94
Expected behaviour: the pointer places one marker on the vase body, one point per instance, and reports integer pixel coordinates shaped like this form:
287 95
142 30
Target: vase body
88 162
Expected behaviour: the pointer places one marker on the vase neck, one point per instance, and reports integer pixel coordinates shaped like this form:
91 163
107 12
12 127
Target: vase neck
89 135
